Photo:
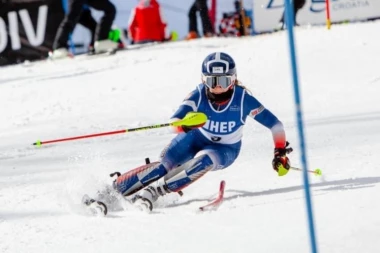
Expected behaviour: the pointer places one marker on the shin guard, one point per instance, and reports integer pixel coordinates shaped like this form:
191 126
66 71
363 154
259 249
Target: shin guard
189 173
136 179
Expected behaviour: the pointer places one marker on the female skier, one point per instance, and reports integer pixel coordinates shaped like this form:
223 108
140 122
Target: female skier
211 146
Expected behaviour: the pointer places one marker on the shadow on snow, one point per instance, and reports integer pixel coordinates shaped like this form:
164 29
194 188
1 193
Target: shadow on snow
337 185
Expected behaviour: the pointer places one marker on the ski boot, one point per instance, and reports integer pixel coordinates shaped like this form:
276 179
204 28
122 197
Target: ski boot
145 198
96 207
105 46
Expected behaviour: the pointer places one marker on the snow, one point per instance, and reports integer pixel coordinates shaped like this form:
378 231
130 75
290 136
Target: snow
41 188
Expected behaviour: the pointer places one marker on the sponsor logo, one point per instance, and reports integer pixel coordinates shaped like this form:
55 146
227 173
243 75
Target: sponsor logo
34 36
273 4
217 70
216 138
320 5
220 127
257 111
151 179
234 108
338 5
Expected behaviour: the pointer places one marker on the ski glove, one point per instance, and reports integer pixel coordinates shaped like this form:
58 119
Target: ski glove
281 162
189 128
200 120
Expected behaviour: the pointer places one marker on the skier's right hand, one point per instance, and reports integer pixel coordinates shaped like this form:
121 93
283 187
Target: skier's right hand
187 129
192 120
198 124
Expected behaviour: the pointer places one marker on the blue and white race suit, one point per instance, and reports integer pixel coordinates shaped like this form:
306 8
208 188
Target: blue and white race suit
221 136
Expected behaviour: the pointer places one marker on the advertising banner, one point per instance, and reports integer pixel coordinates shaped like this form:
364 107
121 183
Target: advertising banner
267 13
27 29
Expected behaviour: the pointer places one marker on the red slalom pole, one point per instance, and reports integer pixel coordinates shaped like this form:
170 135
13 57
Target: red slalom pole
191 119
328 19
39 143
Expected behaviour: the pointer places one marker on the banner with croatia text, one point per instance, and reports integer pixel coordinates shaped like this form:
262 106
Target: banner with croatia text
28 28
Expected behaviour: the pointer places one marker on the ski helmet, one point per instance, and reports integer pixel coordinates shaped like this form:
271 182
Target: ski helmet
218 69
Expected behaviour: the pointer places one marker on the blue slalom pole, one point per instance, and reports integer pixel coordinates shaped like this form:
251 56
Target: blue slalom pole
289 18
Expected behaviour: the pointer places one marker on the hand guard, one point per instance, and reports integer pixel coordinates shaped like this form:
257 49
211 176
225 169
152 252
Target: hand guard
281 162
191 121
188 128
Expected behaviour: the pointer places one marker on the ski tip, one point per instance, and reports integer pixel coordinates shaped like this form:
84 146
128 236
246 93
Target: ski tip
97 208
222 185
103 208
214 205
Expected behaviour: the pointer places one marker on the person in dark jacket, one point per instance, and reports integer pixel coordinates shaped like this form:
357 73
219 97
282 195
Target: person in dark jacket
87 20
297 5
102 43
201 6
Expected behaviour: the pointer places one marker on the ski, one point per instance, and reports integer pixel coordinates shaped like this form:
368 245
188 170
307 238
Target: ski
214 205
107 53
97 208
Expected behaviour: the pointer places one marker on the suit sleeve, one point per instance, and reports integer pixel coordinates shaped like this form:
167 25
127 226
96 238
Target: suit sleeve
189 104
254 109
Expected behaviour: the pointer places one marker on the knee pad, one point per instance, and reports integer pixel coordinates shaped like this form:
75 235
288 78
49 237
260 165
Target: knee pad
213 157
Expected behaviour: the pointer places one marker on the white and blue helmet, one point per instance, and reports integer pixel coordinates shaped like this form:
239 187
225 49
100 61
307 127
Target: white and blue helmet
218 69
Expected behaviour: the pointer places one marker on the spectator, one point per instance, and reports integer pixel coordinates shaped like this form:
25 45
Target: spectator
102 43
146 23
88 22
201 6
230 25
297 5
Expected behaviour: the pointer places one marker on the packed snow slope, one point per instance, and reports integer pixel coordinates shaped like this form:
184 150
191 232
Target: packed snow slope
41 188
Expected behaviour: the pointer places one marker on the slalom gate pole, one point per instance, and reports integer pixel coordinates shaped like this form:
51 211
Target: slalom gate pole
289 18
191 119
328 20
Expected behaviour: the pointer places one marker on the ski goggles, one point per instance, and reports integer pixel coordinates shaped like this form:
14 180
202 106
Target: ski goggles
222 81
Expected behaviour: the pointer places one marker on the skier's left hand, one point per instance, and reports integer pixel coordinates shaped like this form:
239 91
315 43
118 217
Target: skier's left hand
281 162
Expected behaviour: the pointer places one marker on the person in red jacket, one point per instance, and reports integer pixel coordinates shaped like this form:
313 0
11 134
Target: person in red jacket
146 23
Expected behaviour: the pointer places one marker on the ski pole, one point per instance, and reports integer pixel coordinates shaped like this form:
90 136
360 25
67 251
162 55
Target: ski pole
317 172
191 119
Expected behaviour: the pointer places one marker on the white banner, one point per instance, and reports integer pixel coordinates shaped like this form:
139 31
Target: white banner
267 13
